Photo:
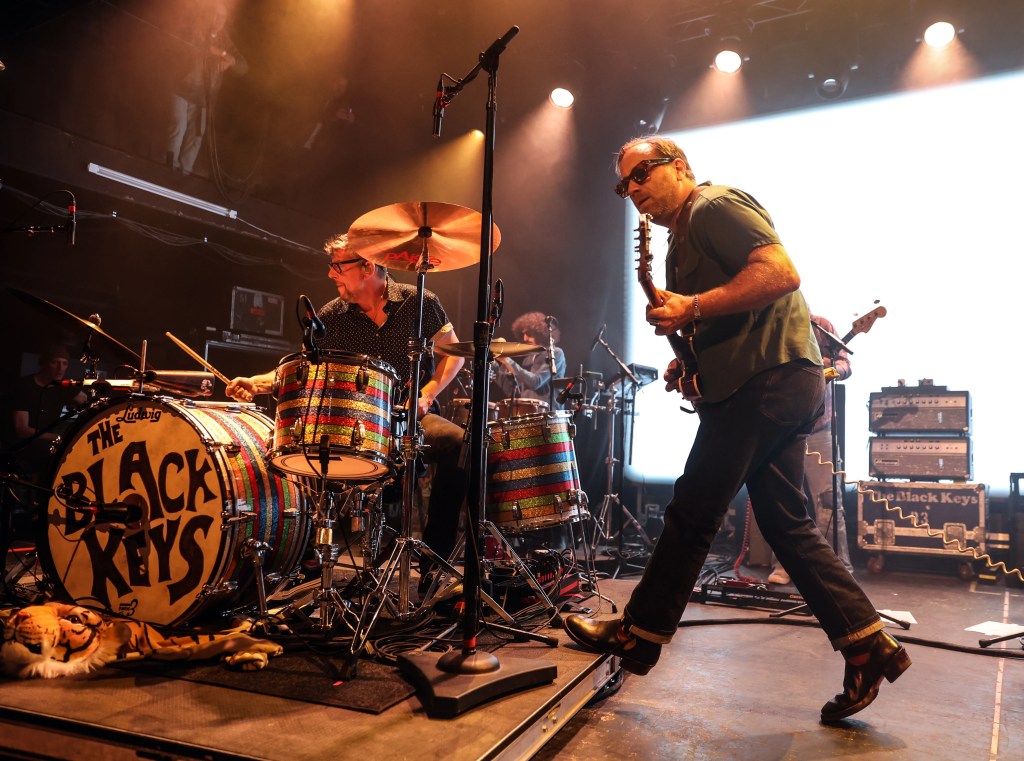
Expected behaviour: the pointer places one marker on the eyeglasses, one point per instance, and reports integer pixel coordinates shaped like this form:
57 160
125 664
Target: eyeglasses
339 267
639 175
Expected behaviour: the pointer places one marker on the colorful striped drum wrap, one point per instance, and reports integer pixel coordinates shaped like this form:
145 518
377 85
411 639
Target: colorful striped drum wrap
350 403
276 505
531 468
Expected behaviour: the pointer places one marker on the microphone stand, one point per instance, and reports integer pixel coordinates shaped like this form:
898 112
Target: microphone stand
447 692
551 363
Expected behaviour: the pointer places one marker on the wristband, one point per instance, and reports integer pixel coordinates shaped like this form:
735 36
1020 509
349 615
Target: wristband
696 308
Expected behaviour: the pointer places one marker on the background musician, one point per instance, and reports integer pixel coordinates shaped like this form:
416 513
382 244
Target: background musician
733 286
530 377
374 315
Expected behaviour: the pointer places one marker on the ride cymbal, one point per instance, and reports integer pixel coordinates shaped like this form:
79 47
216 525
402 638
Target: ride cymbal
498 349
394 236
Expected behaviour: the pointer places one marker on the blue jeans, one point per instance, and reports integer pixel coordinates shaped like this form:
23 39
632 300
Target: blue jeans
755 437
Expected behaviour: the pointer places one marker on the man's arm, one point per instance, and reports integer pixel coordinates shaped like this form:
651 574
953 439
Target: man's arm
445 369
768 275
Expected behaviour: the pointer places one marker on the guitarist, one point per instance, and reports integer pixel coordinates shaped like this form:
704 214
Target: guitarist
734 293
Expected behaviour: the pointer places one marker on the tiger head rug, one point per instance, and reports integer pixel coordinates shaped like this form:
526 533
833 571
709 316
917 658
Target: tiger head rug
58 639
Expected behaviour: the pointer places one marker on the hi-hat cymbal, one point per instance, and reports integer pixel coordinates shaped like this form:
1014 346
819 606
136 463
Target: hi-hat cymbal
394 236
105 343
498 349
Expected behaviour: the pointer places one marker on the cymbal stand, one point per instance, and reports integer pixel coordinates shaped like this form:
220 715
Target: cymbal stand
604 529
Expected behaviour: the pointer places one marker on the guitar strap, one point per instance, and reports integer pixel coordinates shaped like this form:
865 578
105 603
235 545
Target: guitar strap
680 235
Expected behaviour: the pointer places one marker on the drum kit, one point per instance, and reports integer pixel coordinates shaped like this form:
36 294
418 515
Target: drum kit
168 507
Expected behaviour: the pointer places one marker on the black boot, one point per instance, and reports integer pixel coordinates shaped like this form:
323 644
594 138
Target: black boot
611 636
867 663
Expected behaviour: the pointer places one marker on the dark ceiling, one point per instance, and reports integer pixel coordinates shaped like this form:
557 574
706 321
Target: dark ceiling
99 69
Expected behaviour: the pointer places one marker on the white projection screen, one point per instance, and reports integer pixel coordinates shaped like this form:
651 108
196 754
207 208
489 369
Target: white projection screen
914 200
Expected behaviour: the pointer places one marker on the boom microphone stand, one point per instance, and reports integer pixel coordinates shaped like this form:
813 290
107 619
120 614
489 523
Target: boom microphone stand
464 678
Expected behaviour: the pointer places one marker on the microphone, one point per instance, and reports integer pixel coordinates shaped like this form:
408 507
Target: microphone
564 393
439 107
498 46
111 512
71 223
117 512
598 337
314 322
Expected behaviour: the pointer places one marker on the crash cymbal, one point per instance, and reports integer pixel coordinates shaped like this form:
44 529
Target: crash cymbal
104 343
498 349
394 235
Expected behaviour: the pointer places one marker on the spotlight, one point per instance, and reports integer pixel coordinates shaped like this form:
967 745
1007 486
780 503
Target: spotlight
939 34
833 85
728 62
561 97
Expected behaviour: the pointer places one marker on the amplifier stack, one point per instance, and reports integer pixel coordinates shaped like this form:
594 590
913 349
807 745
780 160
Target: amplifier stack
922 433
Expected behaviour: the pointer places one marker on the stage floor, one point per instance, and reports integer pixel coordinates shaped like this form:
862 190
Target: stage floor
723 690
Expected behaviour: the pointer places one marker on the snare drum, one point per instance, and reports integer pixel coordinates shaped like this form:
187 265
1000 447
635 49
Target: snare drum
197 474
345 397
460 411
532 478
520 406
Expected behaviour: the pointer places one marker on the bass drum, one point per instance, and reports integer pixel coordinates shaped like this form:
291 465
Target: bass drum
188 498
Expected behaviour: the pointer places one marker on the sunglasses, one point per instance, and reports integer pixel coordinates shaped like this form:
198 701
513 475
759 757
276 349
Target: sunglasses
339 267
639 175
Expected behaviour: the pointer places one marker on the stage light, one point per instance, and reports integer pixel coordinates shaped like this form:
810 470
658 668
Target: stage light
561 97
728 62
939 34
159 190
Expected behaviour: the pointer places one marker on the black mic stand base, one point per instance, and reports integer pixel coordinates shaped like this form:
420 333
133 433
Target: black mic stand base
457 682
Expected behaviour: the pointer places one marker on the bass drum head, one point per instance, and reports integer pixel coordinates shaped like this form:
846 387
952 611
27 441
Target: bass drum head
195 477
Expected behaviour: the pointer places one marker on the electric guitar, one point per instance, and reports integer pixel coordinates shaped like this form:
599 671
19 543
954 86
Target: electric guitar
682 343
861 325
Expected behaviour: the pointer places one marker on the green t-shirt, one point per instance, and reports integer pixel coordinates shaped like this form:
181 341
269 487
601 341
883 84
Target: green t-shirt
726 224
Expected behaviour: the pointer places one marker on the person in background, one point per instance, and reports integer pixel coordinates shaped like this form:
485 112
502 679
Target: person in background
211 53
529 377
38 404
818 473
754 375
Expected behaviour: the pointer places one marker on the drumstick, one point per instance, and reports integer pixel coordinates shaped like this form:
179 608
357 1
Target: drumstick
184 347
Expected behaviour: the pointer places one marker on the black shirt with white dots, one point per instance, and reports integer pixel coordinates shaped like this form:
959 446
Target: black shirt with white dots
349 329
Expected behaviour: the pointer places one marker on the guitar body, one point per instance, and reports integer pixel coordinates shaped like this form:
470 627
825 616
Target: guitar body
682 344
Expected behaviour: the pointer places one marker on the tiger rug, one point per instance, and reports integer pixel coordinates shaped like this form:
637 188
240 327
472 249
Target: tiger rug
58 639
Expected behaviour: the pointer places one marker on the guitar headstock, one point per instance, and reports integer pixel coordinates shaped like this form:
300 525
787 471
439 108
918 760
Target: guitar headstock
863 324
643 248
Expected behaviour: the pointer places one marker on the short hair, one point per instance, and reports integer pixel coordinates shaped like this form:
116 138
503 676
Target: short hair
340 242
663 147
535 323
54 351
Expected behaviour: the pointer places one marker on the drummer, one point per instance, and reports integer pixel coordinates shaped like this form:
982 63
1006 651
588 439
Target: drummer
530 377
375 316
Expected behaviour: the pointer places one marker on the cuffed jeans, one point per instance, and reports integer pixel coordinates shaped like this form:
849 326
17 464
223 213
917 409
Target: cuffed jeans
755 437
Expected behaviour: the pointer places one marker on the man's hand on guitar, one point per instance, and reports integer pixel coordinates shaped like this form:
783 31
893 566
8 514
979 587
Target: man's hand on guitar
675 312
672 374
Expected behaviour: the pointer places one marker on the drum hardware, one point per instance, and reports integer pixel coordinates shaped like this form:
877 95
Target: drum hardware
256 550
223 589
603 528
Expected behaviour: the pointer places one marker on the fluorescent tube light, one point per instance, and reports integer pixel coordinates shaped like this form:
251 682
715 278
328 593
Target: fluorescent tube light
159 190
